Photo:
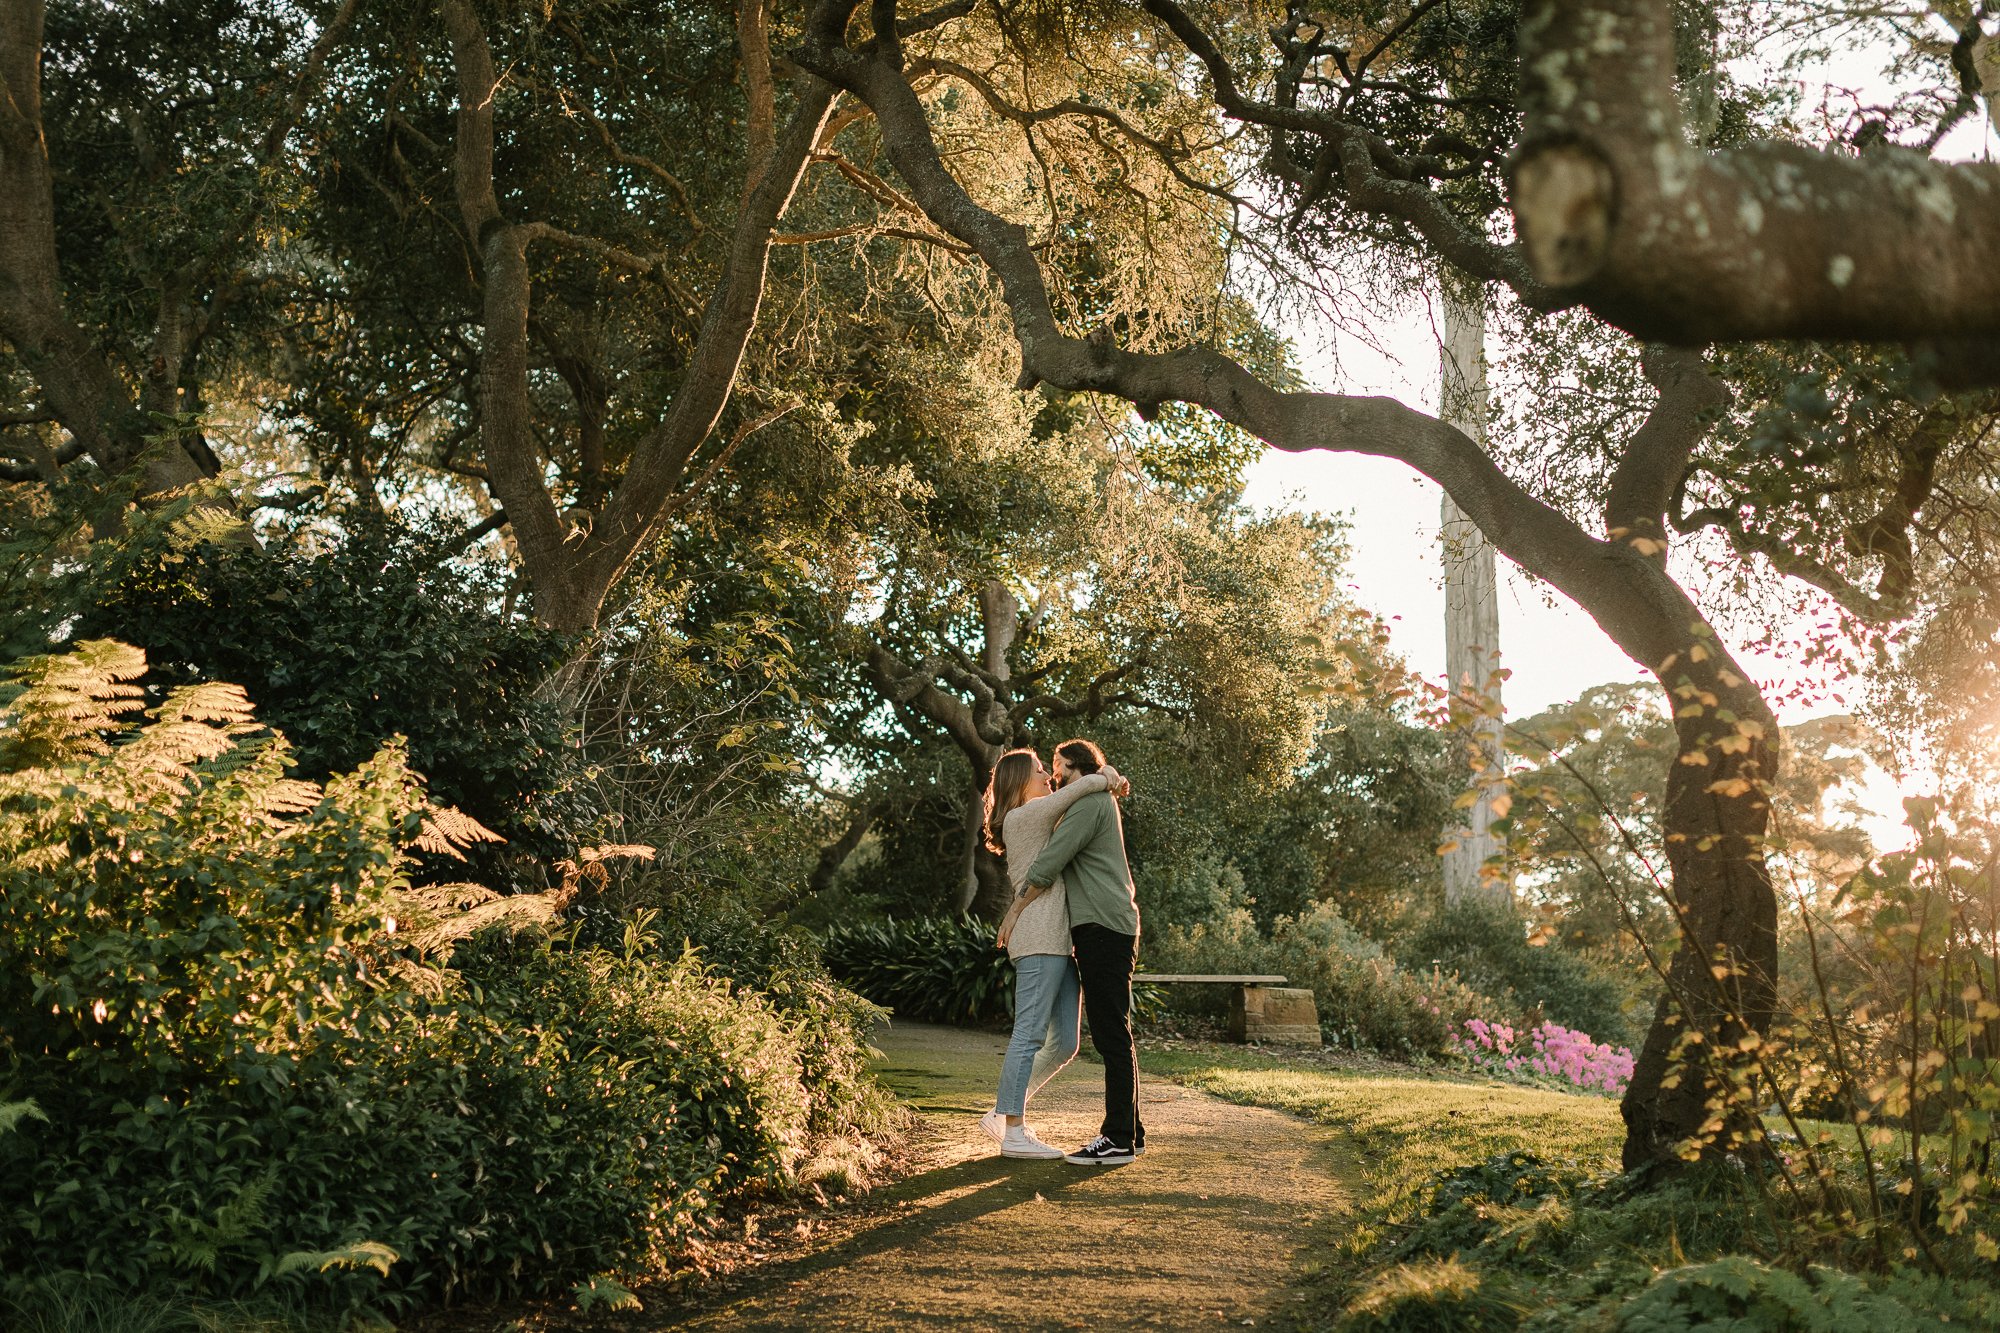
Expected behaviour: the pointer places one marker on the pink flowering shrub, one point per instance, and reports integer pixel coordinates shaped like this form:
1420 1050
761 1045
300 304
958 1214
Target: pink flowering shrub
1551 1051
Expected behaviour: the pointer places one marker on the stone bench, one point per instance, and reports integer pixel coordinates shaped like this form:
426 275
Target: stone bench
1260 1008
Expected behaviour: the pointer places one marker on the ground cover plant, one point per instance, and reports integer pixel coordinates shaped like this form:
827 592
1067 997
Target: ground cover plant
934 969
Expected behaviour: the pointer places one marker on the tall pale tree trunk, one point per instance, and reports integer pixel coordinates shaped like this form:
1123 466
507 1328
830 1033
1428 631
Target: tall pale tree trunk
1471 613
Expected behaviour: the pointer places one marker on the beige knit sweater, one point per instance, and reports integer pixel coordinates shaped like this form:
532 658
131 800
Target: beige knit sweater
1043 926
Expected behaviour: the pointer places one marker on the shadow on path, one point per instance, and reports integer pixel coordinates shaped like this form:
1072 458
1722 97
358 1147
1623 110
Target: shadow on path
1198 1233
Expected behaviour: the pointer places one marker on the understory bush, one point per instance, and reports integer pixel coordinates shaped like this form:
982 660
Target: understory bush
936 969
1487 946
1557 1245
1364 999
386 632
225 1073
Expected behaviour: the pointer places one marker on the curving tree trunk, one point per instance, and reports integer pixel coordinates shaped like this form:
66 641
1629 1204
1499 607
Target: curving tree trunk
572 565
1722 981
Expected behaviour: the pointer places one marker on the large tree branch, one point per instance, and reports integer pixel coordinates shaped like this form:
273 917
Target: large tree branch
1788 558
916 688
1643 611
760 95
1375 177
660 459
1770 240
513 455
1884 536
1096 697
1656 458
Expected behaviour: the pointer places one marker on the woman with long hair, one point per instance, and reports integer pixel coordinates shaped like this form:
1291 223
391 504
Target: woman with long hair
1022 810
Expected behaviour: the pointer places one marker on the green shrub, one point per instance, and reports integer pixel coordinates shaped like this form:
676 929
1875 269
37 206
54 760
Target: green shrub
181 928
342 646
573 1110
935 969
220 1076
1487 946
1514 1193
1364 1000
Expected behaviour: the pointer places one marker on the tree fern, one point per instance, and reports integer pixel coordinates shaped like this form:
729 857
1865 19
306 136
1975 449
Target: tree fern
13 1113
57 709
447 831
195 723
361 1254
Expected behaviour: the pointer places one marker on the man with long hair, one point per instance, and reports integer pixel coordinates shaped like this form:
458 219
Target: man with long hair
1088 852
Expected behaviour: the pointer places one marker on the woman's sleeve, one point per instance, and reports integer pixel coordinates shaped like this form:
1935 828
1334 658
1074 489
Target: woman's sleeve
1056 802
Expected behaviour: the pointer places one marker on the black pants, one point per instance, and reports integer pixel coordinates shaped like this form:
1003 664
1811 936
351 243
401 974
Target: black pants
1104 961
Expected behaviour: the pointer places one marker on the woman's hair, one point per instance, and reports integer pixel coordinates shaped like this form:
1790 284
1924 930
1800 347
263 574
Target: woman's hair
1083 756
1003 793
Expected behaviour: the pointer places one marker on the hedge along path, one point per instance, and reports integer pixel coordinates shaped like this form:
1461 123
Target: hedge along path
1201 1232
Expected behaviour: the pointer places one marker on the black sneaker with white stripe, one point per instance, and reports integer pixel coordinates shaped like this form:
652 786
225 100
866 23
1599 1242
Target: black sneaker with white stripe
1100 1151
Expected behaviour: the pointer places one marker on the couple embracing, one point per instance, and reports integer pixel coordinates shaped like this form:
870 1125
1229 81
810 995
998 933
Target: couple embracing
1072 932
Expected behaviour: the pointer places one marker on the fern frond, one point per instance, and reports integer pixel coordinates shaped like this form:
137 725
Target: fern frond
13 1113
604 1291
207 701
438 899
244 1215
446 829
637 851
588 866
292 796
172 749
432 983
207 523
527 911
54 708
361 1254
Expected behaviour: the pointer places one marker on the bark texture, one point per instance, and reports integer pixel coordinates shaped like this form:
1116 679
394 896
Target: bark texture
1471 613
1619 211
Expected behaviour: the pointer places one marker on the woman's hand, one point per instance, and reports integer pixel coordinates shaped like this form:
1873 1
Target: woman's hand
1117 783
1006 929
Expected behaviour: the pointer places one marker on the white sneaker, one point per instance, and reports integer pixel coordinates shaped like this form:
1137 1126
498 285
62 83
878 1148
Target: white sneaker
1021 1142
995 1125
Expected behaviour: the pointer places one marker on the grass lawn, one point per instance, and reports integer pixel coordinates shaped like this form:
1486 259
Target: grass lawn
1449 1233
1406 1128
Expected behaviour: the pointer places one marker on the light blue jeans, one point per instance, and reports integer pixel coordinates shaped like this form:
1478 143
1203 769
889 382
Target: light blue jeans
1046 1016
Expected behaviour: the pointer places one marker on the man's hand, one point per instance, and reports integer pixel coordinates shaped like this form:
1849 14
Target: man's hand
1006 929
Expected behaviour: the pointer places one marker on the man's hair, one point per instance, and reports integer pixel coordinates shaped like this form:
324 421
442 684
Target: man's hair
1083 756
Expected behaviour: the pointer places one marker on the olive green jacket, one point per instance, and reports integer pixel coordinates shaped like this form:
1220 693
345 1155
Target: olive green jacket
1088 851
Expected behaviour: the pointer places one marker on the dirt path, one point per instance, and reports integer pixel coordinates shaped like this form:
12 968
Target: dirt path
1199 1233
